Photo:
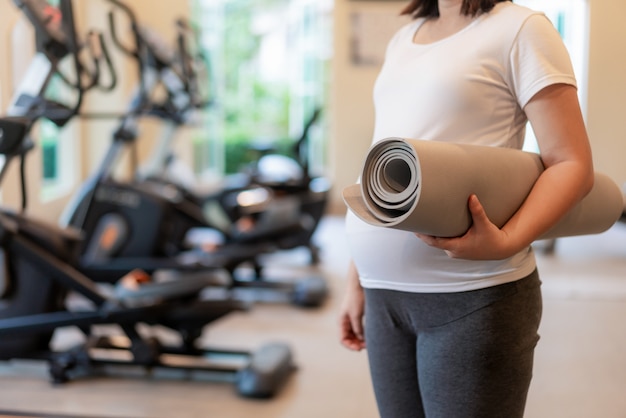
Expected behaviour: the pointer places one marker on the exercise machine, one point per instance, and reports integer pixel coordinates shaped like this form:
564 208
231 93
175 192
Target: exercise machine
285 179
289 176
37 268
146 224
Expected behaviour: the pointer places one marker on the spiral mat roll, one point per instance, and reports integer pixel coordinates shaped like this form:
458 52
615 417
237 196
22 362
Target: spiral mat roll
424 186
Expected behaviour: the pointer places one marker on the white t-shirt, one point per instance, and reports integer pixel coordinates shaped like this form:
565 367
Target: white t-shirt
470 87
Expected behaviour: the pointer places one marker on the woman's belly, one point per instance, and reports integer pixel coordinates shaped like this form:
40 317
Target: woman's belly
398 260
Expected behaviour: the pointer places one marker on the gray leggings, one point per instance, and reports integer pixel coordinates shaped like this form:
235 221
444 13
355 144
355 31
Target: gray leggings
453 355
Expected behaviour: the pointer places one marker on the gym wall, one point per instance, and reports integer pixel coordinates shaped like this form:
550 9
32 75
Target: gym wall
606 91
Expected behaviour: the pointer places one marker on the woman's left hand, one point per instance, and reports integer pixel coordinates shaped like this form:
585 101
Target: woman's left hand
482 241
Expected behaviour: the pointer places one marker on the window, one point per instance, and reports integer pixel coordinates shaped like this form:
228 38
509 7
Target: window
269 62
570 19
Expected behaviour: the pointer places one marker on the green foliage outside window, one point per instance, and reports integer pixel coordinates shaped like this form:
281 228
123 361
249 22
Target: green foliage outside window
49 149
49 132
49 136
250 109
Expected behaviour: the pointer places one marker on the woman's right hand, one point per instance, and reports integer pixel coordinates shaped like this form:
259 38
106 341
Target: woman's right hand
351 314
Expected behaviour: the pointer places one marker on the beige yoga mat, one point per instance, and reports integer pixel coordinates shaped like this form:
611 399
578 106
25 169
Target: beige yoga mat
424 186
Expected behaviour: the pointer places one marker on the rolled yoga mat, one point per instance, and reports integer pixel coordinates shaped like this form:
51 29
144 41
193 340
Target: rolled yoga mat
424 186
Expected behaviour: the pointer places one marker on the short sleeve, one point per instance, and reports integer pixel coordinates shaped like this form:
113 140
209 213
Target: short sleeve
538 59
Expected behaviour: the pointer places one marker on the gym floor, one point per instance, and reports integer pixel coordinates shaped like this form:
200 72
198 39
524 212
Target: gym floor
580 362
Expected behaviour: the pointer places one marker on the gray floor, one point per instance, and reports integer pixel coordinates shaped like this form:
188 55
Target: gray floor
580 362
